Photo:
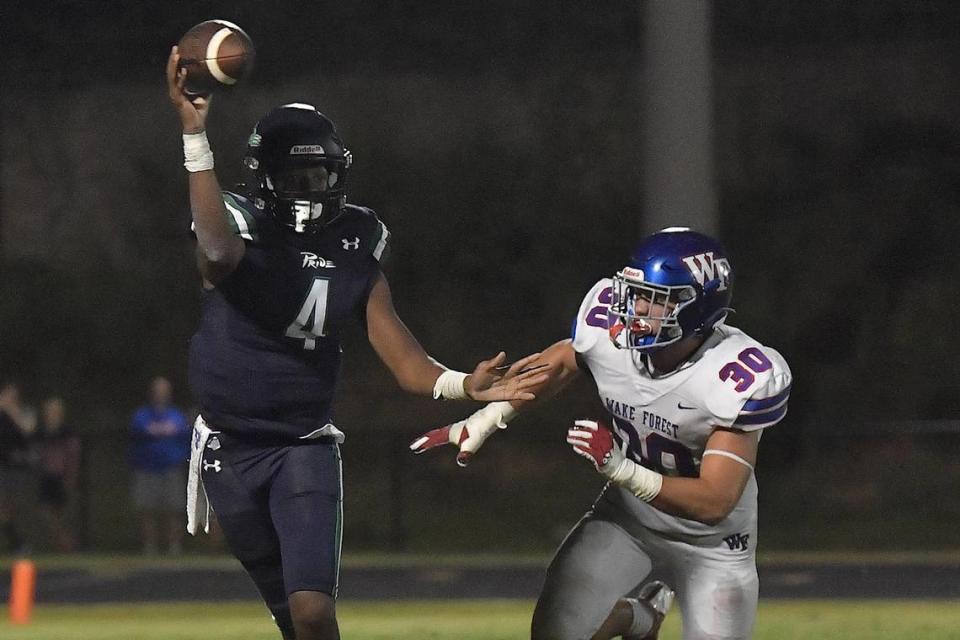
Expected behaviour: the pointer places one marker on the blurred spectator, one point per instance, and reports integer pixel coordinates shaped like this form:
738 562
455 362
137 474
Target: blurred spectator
159 448
59 449
14 453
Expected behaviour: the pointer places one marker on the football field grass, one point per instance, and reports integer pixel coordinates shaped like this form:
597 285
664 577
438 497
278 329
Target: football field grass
469 620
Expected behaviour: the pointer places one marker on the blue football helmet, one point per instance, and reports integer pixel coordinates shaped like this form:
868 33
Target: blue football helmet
677 277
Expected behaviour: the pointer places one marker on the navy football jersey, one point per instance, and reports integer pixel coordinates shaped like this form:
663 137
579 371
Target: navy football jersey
266 357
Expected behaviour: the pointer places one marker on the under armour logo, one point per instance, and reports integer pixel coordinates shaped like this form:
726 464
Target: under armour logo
313 261
350 244
738 541
215 466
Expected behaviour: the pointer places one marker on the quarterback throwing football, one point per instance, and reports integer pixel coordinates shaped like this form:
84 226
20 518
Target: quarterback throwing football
285 266
688 398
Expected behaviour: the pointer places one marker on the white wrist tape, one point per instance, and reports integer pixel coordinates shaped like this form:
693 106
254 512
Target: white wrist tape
481 425
640 481
449 386
197 155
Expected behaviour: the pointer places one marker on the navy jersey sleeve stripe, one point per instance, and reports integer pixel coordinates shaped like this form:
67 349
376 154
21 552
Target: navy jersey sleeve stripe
240 219
764 404
380 249
766 417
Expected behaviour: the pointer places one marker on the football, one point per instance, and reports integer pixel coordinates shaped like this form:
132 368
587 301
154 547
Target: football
216 54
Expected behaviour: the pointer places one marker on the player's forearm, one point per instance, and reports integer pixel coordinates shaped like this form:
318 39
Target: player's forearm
217 241
558 362
419 375
695 499
412 368
708 498
559 379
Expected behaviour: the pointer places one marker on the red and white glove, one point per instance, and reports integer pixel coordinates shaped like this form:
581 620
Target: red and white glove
468 435
595 442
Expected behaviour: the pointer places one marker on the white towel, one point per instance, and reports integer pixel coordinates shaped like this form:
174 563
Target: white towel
198 509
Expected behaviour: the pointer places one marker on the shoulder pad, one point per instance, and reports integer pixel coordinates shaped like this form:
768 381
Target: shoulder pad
242 216
747 384
590 325
370 229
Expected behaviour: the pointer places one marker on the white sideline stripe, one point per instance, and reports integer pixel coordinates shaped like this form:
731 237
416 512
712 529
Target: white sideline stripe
336 584
213 48
727 454
383 242
240 220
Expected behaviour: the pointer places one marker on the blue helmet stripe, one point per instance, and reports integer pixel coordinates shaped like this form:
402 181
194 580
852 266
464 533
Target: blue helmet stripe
766 403
761 418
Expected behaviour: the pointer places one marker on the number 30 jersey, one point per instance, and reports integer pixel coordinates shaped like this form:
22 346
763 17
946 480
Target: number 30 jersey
665 420
266 357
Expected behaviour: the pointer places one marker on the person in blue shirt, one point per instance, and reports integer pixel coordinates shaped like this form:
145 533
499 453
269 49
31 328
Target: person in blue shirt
159 449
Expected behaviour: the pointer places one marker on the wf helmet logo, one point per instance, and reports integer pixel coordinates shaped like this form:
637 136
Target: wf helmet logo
705 268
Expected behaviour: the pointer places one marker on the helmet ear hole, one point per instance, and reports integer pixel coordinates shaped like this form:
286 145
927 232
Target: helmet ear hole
711 285
711 320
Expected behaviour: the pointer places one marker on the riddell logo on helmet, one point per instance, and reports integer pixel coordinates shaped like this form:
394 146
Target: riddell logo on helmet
306 149
633 274
705 267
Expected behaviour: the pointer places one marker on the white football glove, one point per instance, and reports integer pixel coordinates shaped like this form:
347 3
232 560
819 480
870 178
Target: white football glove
468 435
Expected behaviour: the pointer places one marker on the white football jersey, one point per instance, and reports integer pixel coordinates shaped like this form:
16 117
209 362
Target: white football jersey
732 381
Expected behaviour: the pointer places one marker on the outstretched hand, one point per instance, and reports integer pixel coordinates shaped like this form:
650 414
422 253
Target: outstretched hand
489 382
193 110
467 435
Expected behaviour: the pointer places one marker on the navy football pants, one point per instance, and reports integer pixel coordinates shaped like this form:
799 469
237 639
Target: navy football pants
281 510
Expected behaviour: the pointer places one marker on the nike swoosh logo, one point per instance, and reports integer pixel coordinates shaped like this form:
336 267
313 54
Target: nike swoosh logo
680 406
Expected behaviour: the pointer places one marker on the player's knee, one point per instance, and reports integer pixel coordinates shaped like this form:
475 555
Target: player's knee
314 615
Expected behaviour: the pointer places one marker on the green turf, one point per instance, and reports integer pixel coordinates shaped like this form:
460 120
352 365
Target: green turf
469 620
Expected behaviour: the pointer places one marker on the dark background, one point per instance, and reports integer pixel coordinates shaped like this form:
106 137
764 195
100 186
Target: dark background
501 142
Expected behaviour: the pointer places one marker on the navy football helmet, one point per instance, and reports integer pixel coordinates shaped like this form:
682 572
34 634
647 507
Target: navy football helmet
298 167
677 277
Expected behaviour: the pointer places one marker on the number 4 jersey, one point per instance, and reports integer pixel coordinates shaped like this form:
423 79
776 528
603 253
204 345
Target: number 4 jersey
266 357
732 382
